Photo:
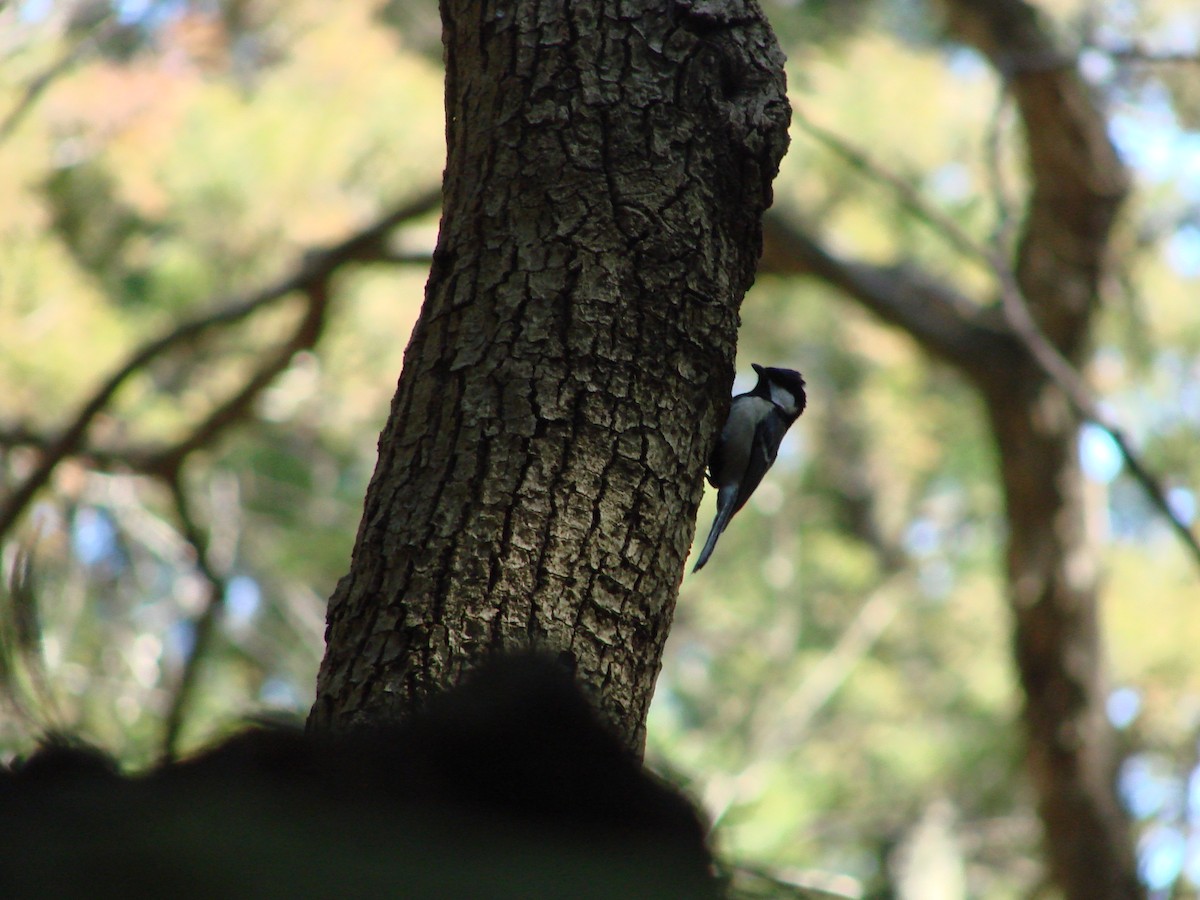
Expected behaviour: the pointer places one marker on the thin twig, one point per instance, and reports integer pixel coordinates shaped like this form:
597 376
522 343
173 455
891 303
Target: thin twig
911 198
797 712
1056 367
1002 235
1139 53
167 466
793 716
1025 329
204 624
305 336
39 83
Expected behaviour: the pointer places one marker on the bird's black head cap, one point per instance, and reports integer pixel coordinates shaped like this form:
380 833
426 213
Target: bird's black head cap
788 379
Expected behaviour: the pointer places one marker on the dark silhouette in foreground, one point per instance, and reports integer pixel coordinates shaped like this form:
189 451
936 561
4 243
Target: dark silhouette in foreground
505 787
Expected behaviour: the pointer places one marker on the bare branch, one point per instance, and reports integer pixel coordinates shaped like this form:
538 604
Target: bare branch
406 259
1015 308
312 276
315 267
946 323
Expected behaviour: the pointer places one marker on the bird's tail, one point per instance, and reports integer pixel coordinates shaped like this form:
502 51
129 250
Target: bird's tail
725 510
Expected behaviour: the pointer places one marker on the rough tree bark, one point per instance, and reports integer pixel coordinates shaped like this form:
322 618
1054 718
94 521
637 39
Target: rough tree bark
539 473
1077 183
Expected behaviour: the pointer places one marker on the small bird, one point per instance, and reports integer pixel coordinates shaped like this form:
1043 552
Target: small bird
749 442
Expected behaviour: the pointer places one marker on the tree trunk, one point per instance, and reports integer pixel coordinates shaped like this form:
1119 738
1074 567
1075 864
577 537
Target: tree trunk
1052 585
1077 186
540 470
1078 183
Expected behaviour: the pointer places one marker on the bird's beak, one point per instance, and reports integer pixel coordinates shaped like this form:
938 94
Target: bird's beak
757 368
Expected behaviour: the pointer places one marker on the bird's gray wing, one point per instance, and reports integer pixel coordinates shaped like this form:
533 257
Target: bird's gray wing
767 437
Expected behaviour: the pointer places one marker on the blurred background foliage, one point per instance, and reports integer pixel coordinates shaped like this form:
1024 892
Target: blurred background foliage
838 689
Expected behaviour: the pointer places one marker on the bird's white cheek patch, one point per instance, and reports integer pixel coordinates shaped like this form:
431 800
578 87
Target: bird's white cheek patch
783 398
